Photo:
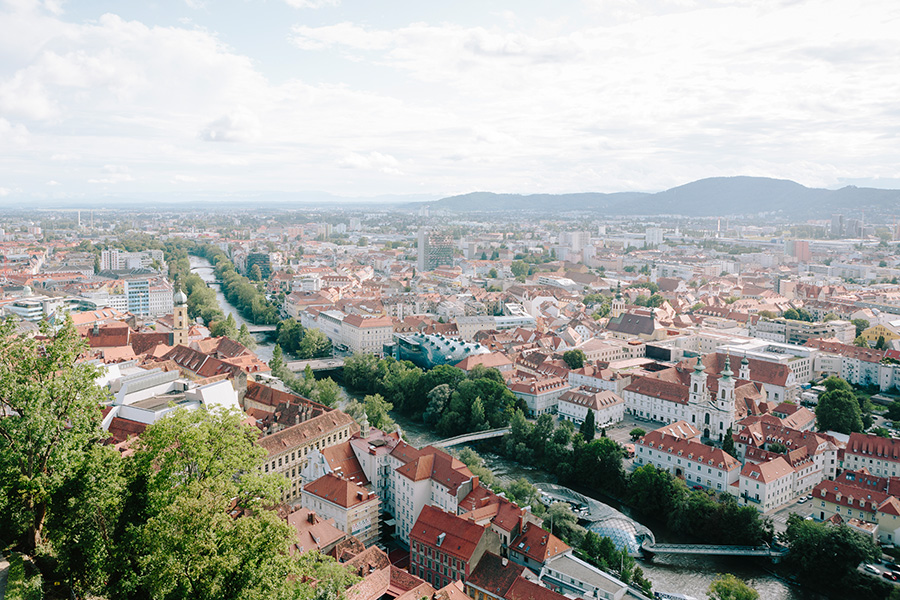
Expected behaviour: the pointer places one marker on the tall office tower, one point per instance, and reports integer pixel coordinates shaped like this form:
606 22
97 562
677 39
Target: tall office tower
837 225
435 249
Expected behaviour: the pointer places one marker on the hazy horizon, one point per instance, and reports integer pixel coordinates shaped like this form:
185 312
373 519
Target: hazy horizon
191 98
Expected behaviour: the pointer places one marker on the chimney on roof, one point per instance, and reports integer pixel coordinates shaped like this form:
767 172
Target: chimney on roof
96 328
504 561
311 518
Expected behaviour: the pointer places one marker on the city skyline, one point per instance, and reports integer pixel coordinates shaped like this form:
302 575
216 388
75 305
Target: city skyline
359 100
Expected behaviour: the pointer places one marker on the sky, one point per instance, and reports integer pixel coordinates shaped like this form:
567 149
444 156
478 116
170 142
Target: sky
169 98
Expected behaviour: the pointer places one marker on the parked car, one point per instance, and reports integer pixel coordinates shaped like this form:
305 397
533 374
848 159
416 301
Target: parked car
889 575
871 569
802 500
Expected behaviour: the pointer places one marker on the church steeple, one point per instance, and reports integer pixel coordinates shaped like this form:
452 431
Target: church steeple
725 401
180 324
618 304
745 369
698 392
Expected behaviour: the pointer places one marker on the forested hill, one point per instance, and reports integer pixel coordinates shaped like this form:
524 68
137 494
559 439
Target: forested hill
716 196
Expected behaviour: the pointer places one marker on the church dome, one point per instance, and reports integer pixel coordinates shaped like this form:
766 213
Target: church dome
179 298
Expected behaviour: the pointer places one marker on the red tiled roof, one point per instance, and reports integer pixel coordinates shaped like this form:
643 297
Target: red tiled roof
144 342
121 429
523 589
439 466
341 456
768 472
460 537
311 532
691 448
873 446
659 388
299 435
340 491
538 544
492 576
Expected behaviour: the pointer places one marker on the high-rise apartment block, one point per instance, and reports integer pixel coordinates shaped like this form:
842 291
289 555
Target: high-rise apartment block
435 250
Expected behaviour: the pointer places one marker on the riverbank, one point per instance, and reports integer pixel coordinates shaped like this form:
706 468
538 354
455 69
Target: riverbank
265 344
674 573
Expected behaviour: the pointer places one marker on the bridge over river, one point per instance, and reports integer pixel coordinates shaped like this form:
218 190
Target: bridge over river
471 437
650 548
316 364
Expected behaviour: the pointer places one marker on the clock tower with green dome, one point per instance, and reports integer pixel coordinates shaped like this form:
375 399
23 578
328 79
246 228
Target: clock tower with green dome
179 318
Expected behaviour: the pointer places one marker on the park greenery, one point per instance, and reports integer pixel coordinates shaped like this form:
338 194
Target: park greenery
825 557
729 587
184 514
841 409
445 397
798 314
301 342
324 391
574 359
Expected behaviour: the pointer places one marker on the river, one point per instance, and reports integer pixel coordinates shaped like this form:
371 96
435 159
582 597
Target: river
203 268
674 573
683 574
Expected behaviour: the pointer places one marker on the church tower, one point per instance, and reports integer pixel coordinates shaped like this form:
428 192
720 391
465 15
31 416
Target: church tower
698 391
179 319
745 369
618 303
725 401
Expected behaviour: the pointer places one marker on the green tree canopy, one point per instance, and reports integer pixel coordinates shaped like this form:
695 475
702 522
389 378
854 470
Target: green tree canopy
574 358
245 337
838 410
861 325
180 537
588 427
377 411
825 555
255 273
728 442
49 414
729 587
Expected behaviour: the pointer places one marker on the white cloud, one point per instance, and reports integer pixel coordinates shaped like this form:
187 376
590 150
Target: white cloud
5 191
622 95
17 134
53 182
385 163
113 174
312 3
239 125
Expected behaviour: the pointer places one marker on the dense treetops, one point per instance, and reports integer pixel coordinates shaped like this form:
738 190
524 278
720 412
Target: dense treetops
185 515
446 397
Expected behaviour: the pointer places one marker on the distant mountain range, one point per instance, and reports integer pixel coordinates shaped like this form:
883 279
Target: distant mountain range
716 196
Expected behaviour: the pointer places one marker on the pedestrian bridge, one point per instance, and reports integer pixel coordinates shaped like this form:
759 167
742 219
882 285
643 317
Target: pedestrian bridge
471 437
260 328
651 548
316 364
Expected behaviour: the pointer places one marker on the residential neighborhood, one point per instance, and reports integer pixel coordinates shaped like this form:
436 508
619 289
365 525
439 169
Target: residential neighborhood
722 351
